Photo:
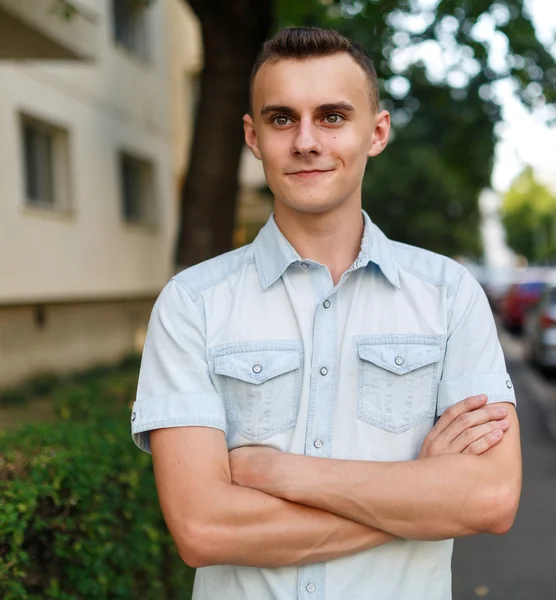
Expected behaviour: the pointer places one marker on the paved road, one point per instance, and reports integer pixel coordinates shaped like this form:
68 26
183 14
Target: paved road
522 564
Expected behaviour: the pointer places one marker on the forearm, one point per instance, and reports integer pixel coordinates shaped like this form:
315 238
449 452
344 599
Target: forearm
248 527
434 498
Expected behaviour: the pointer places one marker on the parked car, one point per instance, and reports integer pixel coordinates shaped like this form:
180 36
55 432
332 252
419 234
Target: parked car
496 282
540 329
521 297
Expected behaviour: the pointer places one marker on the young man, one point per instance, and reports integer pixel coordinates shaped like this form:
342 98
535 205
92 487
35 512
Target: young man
289 389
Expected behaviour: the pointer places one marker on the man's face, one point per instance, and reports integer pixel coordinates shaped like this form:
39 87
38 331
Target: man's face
313 127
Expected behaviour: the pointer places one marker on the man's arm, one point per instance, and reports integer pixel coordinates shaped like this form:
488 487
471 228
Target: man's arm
434 497
213 521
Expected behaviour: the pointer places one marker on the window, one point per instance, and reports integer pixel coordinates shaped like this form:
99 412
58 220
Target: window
45 164
137 183
130 25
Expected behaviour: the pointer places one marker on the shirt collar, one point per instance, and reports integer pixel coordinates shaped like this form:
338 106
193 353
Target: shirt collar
274 254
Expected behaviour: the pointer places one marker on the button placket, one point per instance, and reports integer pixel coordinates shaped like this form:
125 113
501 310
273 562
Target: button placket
311 579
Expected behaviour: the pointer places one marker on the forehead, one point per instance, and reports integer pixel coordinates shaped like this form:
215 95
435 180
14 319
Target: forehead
304 83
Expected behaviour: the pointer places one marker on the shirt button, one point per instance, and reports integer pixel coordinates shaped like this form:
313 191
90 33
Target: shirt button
257 369
324 371
509 384
305 265
311 587
133 416
399 361
318 443
326 304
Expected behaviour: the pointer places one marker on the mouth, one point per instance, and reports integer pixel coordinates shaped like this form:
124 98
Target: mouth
310 173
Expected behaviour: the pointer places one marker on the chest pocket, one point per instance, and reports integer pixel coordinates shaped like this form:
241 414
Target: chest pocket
261 385
397 379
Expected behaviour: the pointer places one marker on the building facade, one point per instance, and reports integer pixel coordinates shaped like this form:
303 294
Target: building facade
97 104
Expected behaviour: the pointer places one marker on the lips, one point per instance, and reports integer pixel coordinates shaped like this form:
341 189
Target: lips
310 173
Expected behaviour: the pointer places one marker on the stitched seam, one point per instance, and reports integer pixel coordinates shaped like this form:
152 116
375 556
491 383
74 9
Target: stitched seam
456 283
213 282
463 377
150 425
423 277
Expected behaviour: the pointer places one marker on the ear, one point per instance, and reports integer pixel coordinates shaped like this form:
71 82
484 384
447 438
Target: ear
381 133
251 136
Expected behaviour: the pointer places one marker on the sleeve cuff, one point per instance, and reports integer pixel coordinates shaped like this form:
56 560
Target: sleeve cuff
497 386
175 410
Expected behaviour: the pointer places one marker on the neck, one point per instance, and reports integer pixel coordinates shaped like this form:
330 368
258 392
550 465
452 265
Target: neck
332 238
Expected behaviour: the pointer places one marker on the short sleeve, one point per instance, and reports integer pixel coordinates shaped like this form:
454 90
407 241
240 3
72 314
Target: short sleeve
474 362
175 388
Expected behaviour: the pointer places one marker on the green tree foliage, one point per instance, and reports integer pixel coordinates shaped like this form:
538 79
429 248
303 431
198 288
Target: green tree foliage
424 188
529 216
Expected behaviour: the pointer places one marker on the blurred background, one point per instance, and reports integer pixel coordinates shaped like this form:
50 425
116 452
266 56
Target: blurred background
122 161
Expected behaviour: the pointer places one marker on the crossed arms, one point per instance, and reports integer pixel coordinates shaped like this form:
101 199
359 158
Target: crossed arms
259 507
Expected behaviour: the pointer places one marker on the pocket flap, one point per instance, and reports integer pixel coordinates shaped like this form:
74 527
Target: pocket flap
257 366
399 357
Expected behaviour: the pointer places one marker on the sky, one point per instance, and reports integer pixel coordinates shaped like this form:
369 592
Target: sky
524 138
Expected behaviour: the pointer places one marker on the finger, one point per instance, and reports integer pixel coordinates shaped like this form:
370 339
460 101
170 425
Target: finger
485 443
472 419
473 434
464 406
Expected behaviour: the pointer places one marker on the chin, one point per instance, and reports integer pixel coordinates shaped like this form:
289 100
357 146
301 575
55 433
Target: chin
311 206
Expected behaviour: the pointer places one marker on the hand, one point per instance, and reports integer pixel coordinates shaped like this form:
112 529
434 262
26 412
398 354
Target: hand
468 427
251 466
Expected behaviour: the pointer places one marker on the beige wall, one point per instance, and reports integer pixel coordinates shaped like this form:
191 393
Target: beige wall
36 29
68 337
77 286
120 102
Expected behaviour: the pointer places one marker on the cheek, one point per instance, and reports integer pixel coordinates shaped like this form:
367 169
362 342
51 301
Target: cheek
352 153
349 146
273 155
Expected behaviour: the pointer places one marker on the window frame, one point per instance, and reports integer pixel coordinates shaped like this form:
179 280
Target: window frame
145 166
58 167
130 32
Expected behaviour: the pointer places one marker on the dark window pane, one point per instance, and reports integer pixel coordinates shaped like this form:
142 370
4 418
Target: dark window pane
44 151
39 185
31 183
132 191
129 25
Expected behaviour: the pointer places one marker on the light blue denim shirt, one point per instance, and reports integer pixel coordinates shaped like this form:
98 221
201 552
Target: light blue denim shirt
260 344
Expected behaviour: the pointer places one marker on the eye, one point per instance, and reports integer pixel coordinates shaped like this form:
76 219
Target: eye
281 120
333 118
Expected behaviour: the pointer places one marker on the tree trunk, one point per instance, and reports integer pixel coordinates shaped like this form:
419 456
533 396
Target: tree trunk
233 31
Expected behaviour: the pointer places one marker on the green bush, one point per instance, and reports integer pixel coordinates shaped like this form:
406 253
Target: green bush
79 514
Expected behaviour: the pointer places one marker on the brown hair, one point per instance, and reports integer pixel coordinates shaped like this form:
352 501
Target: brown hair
312 42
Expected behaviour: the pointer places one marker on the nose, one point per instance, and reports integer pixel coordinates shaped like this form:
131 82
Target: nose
306 140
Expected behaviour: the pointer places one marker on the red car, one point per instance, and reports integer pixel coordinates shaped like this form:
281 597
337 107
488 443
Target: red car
519 299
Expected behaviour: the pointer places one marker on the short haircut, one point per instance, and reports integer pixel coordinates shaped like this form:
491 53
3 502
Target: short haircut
313 42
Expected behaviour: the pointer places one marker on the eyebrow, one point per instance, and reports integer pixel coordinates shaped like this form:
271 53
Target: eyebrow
329 107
